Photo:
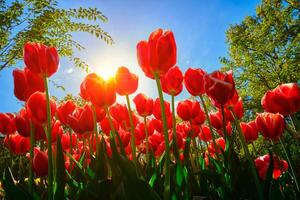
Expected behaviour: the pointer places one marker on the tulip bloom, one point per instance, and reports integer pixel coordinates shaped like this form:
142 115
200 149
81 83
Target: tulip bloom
249 130
100 92
121 114
284 99
7 123
262 164
188 110
194 80
64 110
40 163
205 133
157 109
40 59
36 106
270 125
22 120
105 126
220 143
216 120
220 87
17 144
81 120
126 82
158 54
143 105
171 82
26 83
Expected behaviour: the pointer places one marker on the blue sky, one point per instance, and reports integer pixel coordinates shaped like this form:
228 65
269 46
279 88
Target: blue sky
199 27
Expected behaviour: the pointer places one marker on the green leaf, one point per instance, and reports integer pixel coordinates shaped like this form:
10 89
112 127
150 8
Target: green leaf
59 186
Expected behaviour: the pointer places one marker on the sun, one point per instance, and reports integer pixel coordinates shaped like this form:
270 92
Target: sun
106 72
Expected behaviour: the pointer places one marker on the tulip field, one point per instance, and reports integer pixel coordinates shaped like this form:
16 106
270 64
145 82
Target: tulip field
202 147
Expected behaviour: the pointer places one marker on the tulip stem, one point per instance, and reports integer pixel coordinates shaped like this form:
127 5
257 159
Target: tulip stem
175 149
254 149
247 154
110 121
290 163
224 122
209 123
31 158
133 148
95 130
166 137
147 142
50 166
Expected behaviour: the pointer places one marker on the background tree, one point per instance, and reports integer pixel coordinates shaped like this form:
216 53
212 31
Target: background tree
264 49
43 21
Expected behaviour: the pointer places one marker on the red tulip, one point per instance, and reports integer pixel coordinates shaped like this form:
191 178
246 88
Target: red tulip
186 130
81 120
143 105
284 99
64 110
126 82
17 144
139 132
26 83
158 54
7 123
36 106
220 144
22 120
158 125
179 139
220 87
205 133
262 165
249 130
105 126
171 82
216 120
157 109
200 118
100 113
65 140
228 130
41 59
270 125
238 109
100 92
155 139
194 80
120 113
188 110
40 163
56 130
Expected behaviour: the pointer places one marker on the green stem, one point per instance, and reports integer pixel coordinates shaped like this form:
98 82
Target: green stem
296 122
110 121
31 158
50 166
166 137
247 154
290 164
224 123
209 123
147 142
95 134
254 149
133 147
175 149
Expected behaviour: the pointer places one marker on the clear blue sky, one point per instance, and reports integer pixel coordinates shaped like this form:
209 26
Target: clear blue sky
199 27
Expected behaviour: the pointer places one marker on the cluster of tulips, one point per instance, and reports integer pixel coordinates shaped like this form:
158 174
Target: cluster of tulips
196 139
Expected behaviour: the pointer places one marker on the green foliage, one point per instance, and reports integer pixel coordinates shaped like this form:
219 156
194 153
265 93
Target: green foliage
264 49
43 21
